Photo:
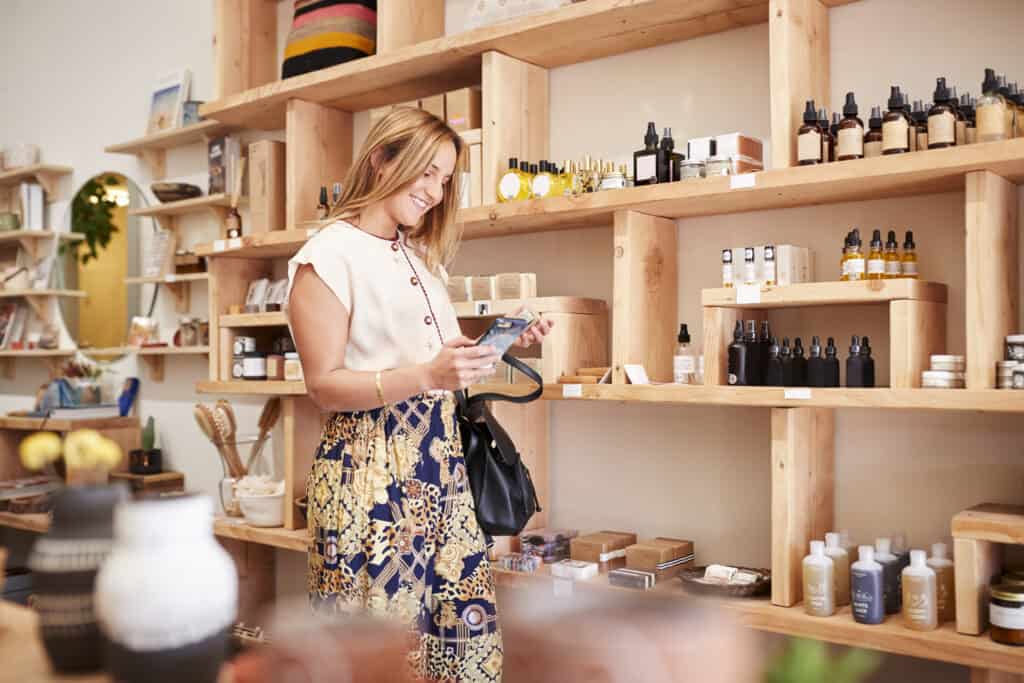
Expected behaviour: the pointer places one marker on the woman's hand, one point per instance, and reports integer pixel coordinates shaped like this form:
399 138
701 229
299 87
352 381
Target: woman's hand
461 363
535 334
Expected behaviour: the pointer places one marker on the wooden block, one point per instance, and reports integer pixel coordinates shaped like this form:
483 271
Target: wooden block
266 186
515 111
527 425
576 340
578 379
318 153
799 69
645 307
991 522
302 424
463 108
244 45
228 285
991 271
803 488
976 564
401 23
256 577
165 482
917 329
434 105
476 178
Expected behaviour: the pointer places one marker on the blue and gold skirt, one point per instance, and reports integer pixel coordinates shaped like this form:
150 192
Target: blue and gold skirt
395 534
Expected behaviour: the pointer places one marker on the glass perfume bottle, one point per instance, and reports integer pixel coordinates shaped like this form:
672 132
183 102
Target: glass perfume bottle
541 186
647 160
728 276
892 256
808 137
749 268
510 183
876 258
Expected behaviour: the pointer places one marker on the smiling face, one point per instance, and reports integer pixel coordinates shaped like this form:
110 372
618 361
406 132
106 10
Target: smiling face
408 205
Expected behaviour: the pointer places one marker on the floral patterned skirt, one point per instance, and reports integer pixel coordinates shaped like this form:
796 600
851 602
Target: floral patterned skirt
395 534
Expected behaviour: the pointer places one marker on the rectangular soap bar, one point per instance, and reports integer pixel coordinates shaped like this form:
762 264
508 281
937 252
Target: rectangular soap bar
632 578
666 557
574 569
607 548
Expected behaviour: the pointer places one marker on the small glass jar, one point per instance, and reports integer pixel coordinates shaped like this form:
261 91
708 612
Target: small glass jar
717 166
254 366
237 367
292 367
1015 347
188 331
1018 377
690 169
243 345
1006 614
613 180
275 366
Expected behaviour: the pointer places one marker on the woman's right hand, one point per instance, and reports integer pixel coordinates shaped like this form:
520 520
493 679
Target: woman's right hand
461 363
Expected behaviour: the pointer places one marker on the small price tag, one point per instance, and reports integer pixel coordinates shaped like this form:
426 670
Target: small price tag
572 391
748 294
311 231
741 181
170 278
235 243
562 587
796 394
218 245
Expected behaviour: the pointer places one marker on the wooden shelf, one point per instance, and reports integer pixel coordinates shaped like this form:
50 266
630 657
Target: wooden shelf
21 235
575 33
69 293
288 539
20 422
830 293
167 279
272 244
274 319
36 353
209 202
169 139
927 172
46 175
268 388
37 522
539 305
991 522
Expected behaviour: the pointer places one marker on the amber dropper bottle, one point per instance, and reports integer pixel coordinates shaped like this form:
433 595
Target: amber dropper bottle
826 136
896 125
908 262
941 118
850 135
892 256
808 138
873 138
920 116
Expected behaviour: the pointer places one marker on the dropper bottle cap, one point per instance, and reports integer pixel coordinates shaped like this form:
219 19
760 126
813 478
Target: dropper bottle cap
816 349
737 332
818 548
891 241
855 346
1004 89
953 99
866 553
941 91
751 331
908 243
533 169
830 348
883 545
896 100
876 239
865 346
798 348
524 166
712 148
823 117
918 559
810 114
684 334
965 102
667 143
875 120
651 138
785 352
832 540
513 162
991 83
919 113
939 550
850 107
855 237
773 348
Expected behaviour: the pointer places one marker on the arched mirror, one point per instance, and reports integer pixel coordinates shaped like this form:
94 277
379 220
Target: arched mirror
100 262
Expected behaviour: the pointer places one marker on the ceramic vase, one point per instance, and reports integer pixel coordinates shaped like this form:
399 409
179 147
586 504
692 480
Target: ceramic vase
65 562
167 596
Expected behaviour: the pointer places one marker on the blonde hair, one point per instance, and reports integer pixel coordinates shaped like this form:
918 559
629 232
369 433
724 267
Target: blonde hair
410 138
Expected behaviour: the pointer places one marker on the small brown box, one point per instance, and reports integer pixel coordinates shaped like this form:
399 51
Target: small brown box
666 557
142 484
266 186
606 548
463 108
481 287
458 288
434 104
515 285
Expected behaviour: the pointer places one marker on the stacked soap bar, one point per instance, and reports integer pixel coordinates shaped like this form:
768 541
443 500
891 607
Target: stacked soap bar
947 372
551 545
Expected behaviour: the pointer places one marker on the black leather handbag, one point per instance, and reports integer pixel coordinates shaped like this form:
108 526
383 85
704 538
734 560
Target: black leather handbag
502 488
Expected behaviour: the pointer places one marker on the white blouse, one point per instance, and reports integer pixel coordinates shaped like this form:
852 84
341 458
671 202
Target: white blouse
389 324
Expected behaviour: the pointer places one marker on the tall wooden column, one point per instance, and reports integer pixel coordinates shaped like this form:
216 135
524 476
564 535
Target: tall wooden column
646 295
917 329
799 67
244 45
401 23
991 273
318 152
803 488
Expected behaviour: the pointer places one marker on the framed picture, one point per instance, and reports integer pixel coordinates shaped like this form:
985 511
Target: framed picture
167 103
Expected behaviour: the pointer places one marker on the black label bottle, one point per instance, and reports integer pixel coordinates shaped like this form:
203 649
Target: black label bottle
646 161
808 138
867 364
873 138
816 365
854 365
920 116
738 357
799 364
941 118
892 593
764 343
831 364
850 135
826 136
867 596
896 125
755 371
786 357
773 369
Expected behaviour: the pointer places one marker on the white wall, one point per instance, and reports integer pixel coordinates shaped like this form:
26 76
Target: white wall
80 75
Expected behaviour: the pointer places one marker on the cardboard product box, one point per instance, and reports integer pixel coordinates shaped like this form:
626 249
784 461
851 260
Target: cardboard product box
745 147
434 104
481 288
464 108
515 285
665 557
458 288
606 548
793 264
267 184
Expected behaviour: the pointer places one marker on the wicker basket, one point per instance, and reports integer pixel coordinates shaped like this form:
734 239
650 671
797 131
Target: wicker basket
693 582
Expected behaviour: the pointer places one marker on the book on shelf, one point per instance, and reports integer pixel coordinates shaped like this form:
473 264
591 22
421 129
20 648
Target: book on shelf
30 196
223 155
89 412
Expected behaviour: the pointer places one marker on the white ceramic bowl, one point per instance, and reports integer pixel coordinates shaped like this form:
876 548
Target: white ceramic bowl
263 510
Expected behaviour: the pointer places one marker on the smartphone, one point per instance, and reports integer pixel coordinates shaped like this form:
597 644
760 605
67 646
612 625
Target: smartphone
503 332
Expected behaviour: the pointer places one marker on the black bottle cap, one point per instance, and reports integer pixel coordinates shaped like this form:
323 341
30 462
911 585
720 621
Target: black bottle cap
785 351
855 237
651 138
876 239
941 91
524 166
323 195
533 169
823 117
1004 89
908 243
667 142
854 345
875 120
850 108
727 256
751 331
684 334
865 346
830 349
891 241
953 99
810 113
815 347
896 99
835 118
773 348
766 332
737 332
1014 93
513 162
966 103
798 348
713 148
991 83
919 113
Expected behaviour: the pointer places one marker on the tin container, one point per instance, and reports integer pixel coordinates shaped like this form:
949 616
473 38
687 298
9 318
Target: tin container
949 363
691 169
1006 614
243 345
1015 347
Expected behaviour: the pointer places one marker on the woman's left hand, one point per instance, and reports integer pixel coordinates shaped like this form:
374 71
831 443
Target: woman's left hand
535 334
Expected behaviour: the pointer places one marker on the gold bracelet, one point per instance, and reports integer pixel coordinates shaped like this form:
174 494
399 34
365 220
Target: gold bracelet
380 388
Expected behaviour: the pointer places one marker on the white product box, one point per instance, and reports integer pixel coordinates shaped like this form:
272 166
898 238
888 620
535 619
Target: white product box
793 264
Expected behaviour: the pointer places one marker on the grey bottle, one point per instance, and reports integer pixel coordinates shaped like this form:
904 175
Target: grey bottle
892 584
866 588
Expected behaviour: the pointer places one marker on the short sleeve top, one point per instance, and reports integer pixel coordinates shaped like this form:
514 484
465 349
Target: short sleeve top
390 325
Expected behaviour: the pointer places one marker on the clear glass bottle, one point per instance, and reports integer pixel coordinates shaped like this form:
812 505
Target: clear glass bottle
728 275
716 165
990 110
819 593
873 136
941 118
749 268
920 611
892 256
769 276
908 261
684 364
841 566
850 135
876 258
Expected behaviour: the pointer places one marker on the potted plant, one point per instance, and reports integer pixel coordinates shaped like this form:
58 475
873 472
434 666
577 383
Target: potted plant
92 215
148 459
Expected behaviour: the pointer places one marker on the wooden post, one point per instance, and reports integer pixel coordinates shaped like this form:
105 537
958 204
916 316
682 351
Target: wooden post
991 273
401 23
228 284
977 562
803 486
257 574
301 425
645 304
515 116
719 323
527 425
798 69
318 152
917 329
244 45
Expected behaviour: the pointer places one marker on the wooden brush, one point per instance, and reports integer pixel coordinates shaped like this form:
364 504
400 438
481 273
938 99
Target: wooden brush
208 425
227 428
268 418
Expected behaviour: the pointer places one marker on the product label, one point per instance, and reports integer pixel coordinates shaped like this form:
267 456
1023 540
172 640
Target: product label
254 367
809 146
872 149
892 267
941 128
909 267
769 272
508 187
851 142
844 267
961 132
855 266
748 294
796 394
991 120
727 275
866 596
894 135
682 368
646 168
572 391
818 592
541 186
918 599
876 266
825 156
742 181
922 140
1006 617
611 555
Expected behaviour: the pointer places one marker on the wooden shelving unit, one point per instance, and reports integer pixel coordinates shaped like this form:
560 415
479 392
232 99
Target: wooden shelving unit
218 203
180 286
272 319
242 387
827 294
35 293
267 245
152 149
47 175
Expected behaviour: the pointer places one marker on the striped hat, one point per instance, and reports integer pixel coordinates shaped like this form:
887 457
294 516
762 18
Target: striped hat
329 32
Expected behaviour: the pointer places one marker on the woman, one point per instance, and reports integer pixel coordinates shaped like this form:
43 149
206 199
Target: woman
392 515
